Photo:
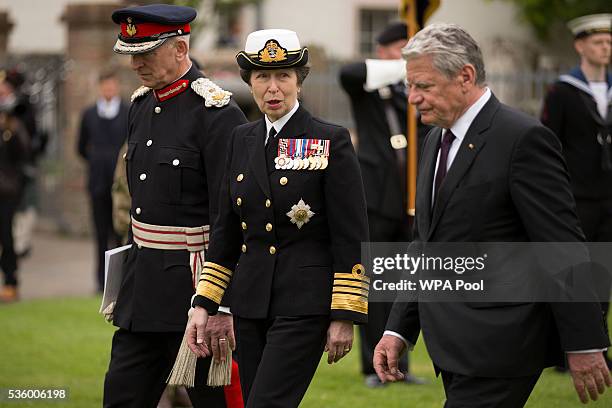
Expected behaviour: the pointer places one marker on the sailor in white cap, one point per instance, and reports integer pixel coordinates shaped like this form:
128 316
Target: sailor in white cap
578 109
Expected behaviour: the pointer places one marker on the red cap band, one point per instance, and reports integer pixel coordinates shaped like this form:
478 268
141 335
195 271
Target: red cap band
140 30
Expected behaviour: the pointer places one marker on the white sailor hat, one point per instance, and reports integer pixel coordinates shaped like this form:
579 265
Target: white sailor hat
591 24
144 28
272 49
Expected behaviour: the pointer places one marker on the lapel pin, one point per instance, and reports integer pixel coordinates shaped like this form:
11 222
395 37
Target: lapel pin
471 146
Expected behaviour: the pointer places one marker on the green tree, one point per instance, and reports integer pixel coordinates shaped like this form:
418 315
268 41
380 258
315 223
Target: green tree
544 14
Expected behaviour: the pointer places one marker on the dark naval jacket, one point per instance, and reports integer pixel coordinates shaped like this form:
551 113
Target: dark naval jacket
570 111
174 161
276 268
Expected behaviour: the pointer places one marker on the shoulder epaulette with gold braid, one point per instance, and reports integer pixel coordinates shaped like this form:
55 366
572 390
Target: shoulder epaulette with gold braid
212 93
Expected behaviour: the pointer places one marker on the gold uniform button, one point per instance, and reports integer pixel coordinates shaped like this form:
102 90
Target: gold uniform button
243 247
268 203
244 226
268 227
240 177
283 181
272 250
239 201
138 210
157 109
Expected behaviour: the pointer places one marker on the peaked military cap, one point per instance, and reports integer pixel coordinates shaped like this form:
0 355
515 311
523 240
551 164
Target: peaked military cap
144 28
272 49
393 32
591 24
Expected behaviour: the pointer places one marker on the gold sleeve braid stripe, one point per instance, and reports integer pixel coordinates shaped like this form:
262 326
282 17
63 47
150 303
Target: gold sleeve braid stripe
213 282
219 275
210 291
351 276
347 290
218 267
221 283
349 302
352 283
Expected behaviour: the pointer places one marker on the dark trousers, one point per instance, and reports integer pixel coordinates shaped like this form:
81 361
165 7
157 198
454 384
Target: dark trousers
278 358
382 229
140 364
8 259
102 211
478 392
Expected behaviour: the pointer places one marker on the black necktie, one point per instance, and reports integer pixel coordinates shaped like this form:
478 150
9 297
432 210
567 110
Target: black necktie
447 141
271 149
271 136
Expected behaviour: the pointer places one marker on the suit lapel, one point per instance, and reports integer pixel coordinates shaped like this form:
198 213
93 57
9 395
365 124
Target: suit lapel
424 183
472 143
257 155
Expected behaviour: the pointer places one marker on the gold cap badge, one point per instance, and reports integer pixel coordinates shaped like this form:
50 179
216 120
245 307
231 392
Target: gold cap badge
272 52
131 28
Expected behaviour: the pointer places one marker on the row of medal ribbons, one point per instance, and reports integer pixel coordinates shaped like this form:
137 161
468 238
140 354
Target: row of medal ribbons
302 154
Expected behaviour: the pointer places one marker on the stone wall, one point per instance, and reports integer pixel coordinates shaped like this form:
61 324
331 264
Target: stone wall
91 36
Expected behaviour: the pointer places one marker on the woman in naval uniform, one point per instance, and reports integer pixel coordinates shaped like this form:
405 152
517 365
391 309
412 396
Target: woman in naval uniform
291 220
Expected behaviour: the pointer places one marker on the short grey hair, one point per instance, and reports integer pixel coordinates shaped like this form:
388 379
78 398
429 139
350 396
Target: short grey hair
173 40
451 48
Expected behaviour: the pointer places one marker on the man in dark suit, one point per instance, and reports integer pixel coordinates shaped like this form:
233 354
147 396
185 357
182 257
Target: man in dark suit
488 174
578 109
378 99
103 132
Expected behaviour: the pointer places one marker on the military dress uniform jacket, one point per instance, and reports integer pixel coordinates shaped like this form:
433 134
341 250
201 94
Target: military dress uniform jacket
174 161
276 268
567 112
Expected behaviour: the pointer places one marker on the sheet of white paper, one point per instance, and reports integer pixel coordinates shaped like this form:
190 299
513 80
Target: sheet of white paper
113 274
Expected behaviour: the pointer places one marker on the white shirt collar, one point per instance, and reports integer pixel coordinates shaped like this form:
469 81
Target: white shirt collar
108 109
461 126
280 122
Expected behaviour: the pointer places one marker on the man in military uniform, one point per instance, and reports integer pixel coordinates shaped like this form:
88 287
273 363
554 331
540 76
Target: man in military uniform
578 109
178 128
378 99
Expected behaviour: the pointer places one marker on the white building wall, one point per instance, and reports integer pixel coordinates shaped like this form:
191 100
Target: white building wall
334 24
330 24
37 25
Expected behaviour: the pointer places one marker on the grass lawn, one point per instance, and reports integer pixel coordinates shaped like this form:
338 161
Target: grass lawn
65 343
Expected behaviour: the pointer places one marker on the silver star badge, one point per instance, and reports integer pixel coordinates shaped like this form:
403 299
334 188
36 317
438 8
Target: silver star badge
300 213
